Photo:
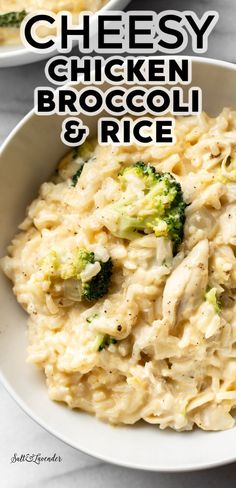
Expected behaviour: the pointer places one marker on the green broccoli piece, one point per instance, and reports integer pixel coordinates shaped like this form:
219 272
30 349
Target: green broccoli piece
84 257
76 176
12 19
75 264
98 286
83 152
212 298
160 209
95 288
68 271
104 341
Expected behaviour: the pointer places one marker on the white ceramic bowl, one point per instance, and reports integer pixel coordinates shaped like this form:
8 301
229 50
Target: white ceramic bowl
27 159
19 55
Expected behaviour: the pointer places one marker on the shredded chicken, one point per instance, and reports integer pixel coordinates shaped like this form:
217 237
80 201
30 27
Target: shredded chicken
184 289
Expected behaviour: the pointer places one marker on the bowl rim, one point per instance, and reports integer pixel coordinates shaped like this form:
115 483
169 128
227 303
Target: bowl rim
22 51
90 452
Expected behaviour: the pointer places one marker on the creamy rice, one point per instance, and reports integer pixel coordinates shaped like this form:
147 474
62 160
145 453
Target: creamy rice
174 362
11 35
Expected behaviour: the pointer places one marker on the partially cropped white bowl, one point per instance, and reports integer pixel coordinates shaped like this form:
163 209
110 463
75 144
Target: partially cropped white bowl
19 55
27 159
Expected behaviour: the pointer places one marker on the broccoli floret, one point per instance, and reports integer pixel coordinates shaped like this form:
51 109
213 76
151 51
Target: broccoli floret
84 257
212 298
76 263
158 208
104 341
12 19
69 271
98 286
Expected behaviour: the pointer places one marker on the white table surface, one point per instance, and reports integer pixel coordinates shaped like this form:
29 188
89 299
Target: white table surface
18 433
